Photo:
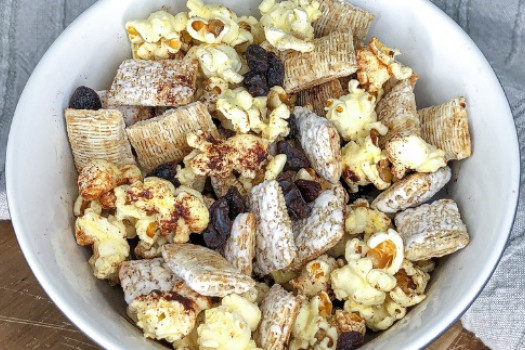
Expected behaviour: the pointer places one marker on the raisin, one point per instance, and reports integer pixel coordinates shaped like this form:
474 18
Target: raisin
257 58
85 98
286 176
310 190
295 203
295 159
198 239
275 72
212 238
220 217
294 128
166 172
235 202
350 341
256 84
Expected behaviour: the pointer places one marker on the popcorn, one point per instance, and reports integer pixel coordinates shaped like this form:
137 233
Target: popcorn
252 25
311 329
355 249
376 65
264 115
275 166
360 282
386 250
354 114
158 36
361 160
411 285
288 24
81 205
214 24
164 315
187 177
158 207
108 240
315 277
412 152
378 317
365 220
243 153
220 61
229 325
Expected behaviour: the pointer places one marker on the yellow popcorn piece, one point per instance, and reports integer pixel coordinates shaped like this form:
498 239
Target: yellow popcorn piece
159 209
108 240
362 161
263 115
354 114
214 24
230 325
412 152
311 329
360 282
158 36
315 277
386 250
253 25
275 166
288 24
378 317
366 220
220 61
187 177
411 285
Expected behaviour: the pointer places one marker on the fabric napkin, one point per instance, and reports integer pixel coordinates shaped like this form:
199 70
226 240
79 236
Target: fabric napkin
497 26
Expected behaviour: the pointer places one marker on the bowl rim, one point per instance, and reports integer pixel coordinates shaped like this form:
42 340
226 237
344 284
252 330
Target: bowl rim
84 326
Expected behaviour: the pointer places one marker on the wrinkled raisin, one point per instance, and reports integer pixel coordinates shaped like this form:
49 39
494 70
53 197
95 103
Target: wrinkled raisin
310 190
85 98
294 128
275 72
286 175
295 159
220 218
166 172
296 205
235 202
256 84
257 58
350 341
220 225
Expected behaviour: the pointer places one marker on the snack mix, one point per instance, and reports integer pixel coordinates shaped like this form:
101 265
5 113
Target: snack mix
264 183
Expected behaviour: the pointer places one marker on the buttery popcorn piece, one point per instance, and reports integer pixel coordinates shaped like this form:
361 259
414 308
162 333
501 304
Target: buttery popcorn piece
311 329
360 282
108 240
354 114
365 220
288 24
215 24
362 161
411 285
158 36
220 61
315 277
157 207
386 250
243 153
378 317
229 326
263 115
376 65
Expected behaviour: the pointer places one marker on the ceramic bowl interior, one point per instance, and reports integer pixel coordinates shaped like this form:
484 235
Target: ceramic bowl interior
41 176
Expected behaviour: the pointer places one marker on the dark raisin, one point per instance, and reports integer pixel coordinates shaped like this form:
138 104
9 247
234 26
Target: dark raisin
310 190
350 341
294 128
295 159
220 218
212 238
85 98
256 84
166 172
236 202
275 72
295 203
198 239
257 58
286 176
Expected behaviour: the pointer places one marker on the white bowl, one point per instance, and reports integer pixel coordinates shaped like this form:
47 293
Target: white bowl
41 176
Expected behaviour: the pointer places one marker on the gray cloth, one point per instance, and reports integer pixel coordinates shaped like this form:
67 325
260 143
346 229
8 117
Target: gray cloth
497 26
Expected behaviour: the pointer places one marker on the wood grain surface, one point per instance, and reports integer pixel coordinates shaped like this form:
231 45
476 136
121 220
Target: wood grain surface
30 320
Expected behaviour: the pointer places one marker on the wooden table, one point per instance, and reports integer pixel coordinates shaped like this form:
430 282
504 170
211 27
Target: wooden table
30 320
